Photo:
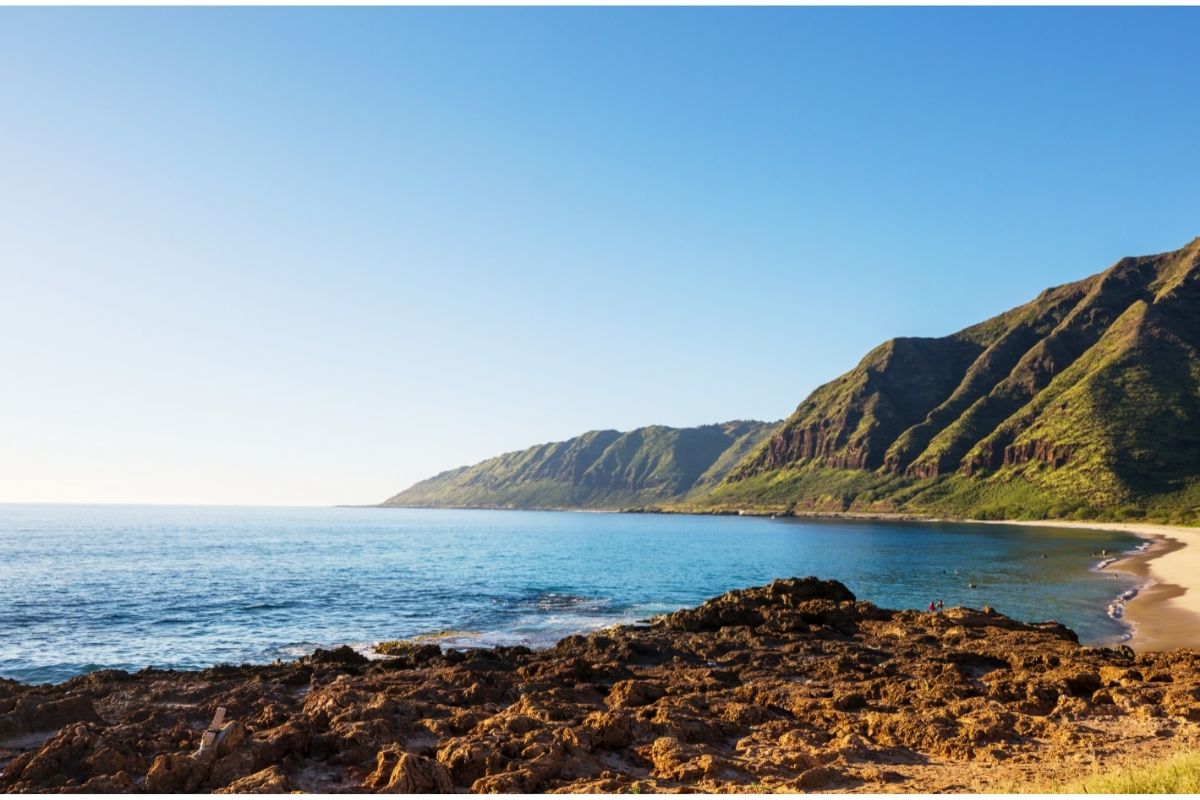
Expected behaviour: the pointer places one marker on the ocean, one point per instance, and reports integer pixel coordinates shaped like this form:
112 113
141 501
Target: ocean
90 587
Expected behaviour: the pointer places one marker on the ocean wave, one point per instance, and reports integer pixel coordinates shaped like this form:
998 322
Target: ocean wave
366 649
561 601
267 606
555 601
293 650
1116 609
535 630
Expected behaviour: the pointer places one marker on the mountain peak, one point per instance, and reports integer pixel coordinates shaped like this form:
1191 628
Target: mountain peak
607 469
1063 403
1083 402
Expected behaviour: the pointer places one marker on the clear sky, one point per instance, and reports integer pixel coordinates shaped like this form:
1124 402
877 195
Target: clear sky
311 256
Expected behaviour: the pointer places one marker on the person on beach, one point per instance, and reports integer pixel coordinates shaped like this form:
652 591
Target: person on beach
932 607
941 605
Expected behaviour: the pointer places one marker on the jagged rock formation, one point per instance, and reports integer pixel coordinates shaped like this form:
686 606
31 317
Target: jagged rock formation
794 686
600 469
1087 397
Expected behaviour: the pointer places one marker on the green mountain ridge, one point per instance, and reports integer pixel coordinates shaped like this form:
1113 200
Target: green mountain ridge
1083 403
606 469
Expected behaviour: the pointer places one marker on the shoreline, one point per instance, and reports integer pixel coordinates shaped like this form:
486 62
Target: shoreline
1165 612
795 686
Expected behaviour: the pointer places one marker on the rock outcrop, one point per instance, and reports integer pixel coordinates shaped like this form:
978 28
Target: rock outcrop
795 686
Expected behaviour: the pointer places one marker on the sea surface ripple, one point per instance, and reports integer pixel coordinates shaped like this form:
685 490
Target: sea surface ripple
89 587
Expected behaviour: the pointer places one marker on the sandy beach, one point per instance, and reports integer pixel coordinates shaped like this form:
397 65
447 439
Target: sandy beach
1166 612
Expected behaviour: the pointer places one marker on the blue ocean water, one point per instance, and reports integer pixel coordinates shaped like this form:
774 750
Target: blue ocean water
85 587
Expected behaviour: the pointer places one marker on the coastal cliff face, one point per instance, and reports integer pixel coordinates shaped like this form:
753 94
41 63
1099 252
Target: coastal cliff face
1085 402
794 686
598 470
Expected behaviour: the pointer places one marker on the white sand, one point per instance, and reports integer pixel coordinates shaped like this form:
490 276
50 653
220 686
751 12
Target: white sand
1166 612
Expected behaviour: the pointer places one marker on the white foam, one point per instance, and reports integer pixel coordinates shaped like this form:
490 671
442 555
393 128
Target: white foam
1116 609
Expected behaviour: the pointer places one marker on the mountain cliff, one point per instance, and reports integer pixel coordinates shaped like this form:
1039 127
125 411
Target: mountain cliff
608 469
1083 402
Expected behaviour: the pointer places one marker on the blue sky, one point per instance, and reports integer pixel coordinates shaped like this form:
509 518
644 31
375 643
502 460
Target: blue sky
311 256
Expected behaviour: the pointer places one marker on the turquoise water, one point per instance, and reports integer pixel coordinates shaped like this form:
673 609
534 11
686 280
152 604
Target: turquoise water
85 587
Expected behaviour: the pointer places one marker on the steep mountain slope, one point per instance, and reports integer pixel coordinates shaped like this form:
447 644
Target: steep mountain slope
600 469
1084 402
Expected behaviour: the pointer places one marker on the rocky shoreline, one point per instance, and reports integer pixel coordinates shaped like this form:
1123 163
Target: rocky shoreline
794 686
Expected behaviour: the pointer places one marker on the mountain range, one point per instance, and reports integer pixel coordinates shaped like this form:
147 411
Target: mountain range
608 469
1082 403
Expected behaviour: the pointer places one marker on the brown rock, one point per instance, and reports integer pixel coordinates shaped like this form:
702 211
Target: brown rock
174 772
745 606
817 778
630 694
340 656
32 712
670 758
469 761
267 781
404 773
795 686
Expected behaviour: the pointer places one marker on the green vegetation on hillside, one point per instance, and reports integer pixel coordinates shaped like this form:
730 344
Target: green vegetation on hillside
1083 403
652 466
